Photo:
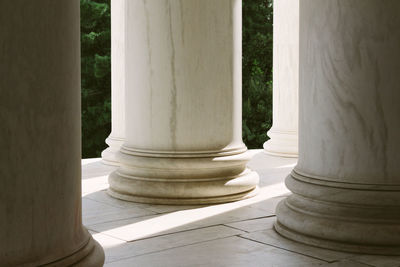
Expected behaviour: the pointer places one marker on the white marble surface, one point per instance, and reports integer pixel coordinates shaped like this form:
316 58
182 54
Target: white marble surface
347 181
284 132
117 135
349 91
232 234
184 84
183 141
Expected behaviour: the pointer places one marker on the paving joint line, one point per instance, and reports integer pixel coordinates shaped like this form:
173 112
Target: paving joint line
295 252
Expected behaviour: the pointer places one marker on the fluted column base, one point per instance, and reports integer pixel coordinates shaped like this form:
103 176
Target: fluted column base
109 155
341 216
182 179
282 144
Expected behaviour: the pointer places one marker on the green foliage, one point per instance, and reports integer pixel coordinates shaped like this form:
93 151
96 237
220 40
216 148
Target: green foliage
257 71
96 75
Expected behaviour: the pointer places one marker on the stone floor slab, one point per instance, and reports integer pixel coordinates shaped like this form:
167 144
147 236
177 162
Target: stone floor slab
106 241
92 185
103 197
94 208
254 225
153 225
114 214
378 261
346 263
231 234
270 237
231 251
160 243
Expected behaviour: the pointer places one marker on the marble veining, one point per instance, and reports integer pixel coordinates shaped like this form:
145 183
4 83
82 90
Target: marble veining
351 82
185 147
347 182
173 102
151 71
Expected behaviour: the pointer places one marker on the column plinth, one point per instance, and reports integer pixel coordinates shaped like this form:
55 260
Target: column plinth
283 135
282 143
337 215
346 185
109 155
183 141
183 178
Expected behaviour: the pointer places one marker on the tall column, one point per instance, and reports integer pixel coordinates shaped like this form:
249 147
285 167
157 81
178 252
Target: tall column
284 132
346 186
183 103
116 138
40 137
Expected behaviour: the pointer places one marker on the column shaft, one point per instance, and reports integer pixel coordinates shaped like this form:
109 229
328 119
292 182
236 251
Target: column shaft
40 137
346 186
284 132
183 103
116 138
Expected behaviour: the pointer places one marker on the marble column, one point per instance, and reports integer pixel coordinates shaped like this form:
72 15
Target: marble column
116 138
183 140
346 186
284 132
40 137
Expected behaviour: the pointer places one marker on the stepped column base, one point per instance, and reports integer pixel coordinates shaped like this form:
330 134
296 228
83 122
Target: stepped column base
282 144
348 217
109 155
178 179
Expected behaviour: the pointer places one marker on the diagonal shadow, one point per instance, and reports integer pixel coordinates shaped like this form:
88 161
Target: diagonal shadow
129 221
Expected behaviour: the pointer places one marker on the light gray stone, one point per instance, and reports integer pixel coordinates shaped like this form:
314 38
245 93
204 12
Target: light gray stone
92 185
171 208
154 225
91 207
346 263
254 224
102 197
160 243
107 242
96 212
270 237
264 163
231 251
378 261
269 205
92 168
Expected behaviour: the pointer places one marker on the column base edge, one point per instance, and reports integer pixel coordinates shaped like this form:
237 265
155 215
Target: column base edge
184 201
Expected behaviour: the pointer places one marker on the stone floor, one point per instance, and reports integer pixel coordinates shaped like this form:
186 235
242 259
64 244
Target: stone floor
233 234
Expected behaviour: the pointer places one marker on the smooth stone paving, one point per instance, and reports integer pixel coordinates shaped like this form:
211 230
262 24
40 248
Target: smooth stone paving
233 234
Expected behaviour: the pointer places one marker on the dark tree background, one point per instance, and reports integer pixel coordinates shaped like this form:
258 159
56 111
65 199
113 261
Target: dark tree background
257 71
96 73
